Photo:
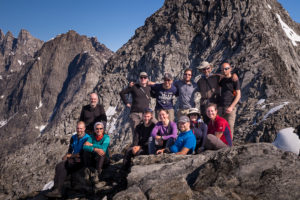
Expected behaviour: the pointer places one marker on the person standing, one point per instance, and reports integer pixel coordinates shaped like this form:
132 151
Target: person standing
141 97
186 90
230 96
209 88
92 113
164 93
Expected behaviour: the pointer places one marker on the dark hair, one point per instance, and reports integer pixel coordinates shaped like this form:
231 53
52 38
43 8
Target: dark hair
211 105
148 110
188 69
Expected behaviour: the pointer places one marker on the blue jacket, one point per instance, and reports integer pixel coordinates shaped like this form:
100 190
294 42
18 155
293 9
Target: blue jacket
76 144
185 139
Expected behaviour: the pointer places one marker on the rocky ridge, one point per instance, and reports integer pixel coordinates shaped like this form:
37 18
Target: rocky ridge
248 34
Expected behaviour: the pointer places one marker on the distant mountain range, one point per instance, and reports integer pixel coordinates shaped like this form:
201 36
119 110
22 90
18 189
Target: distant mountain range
44 85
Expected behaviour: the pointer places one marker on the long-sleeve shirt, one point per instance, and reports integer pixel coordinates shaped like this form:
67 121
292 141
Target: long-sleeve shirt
200 131
76 143
185 139
209 89
101 144
92 115
141 135
186 94
140 97
166 132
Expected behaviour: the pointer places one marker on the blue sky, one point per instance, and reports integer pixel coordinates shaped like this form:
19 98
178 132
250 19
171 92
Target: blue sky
113 22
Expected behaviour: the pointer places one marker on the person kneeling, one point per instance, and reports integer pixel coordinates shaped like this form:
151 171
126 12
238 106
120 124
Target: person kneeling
218 134
186 140
95 150
140 141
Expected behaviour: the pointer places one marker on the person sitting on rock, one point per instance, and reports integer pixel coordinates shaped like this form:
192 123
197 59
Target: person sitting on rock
186 140
95 150
92 113
199 129
163 134
218 133
72 161
141 137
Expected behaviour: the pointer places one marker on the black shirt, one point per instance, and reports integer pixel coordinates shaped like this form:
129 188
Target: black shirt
142 134
92 115
228 86
140 97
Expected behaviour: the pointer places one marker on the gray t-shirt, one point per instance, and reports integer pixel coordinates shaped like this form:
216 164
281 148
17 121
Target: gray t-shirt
186 93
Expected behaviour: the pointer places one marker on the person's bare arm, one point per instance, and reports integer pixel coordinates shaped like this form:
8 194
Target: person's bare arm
183 151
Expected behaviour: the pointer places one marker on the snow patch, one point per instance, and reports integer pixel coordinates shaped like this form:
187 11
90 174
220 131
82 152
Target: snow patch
2 97
3 123
111 111
48 186
290 33
270 112
112 126
40 105
261 101
39 58
269 6
41 128
11 71
1 77
20 62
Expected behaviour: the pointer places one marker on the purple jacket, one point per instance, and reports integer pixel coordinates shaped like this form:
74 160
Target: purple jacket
167 132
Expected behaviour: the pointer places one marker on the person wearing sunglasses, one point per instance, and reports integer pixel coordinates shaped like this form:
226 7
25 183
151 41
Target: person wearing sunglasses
230 96
95 153
141 97
209 87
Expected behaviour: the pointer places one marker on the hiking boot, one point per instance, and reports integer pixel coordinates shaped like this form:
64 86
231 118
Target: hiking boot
54 194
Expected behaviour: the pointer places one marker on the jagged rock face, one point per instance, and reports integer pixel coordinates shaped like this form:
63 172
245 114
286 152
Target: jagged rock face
254 171
247 34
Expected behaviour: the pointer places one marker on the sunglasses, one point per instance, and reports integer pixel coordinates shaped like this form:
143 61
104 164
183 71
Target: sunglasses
167 80
99 128
207 68
187 74
143 77
226 68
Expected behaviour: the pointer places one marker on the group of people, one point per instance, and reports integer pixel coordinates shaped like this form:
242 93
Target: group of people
210 127
87 148
200 129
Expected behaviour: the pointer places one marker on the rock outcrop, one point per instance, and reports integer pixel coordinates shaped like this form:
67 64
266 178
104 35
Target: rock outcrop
253 171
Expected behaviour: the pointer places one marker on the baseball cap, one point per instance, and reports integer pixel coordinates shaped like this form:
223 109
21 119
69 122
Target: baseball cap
183 119
143 74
